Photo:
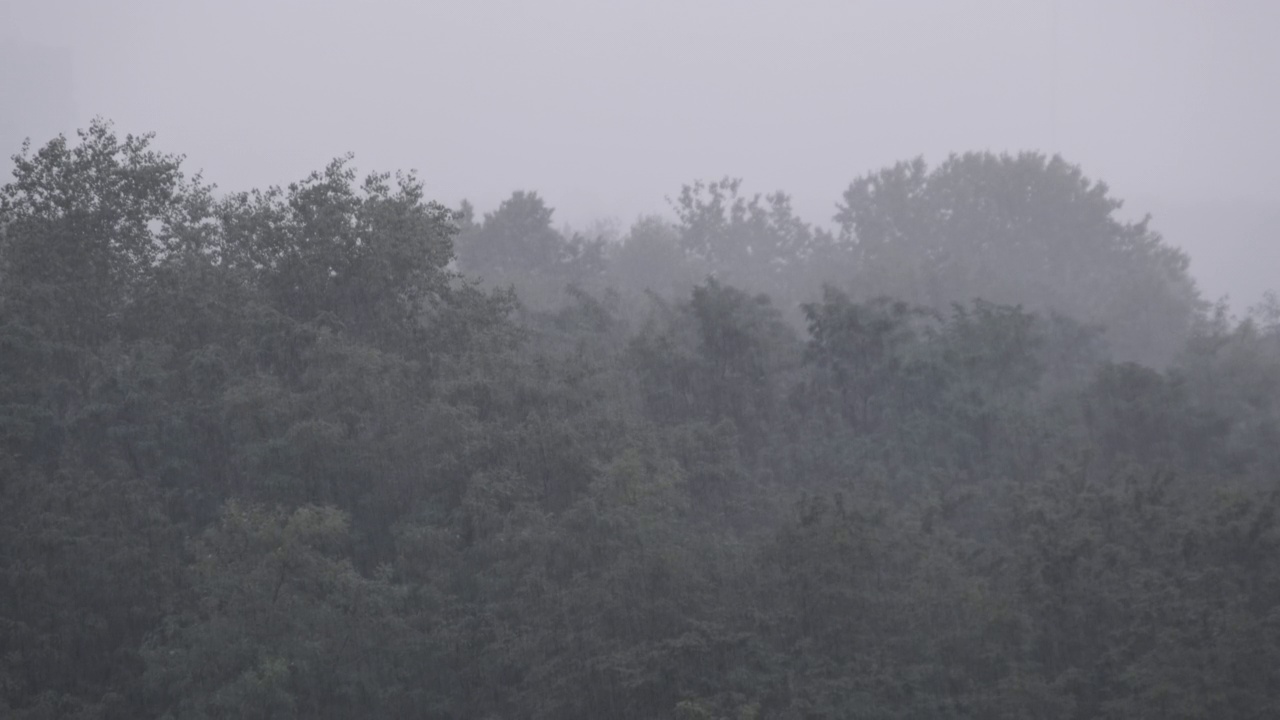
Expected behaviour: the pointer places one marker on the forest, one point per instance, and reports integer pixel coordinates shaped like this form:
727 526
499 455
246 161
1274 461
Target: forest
975 448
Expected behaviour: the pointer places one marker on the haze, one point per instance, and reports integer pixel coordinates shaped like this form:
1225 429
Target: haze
606 108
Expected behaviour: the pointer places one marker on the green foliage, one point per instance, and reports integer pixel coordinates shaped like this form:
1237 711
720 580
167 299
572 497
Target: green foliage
370 258
83 226
282 625
719 356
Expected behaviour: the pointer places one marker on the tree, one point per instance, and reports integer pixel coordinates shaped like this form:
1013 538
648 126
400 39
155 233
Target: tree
650 258
754 242
83 226
1231 371
715 357
517 244
1018 229
372 258
283 626
860 352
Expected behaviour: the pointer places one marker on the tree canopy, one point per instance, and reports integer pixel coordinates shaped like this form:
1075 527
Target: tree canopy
1019 229
283 453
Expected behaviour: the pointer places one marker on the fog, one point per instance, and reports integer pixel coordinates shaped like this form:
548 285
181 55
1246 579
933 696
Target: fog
607 108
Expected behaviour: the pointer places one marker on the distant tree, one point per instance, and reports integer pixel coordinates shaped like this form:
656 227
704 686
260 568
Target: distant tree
730 230
756 242
1018 229
518 245
1231 370
518 236
650 258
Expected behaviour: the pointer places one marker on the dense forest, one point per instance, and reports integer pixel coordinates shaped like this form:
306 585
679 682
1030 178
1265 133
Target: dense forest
334 450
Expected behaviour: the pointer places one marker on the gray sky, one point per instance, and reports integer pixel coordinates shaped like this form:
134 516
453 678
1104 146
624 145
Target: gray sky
607 106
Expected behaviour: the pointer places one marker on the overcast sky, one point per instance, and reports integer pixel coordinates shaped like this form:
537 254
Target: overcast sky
607 107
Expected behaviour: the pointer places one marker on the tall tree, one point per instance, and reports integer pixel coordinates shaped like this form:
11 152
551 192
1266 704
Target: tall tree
1019 229
83 226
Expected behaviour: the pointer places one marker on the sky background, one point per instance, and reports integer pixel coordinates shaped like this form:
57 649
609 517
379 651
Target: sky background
606 107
